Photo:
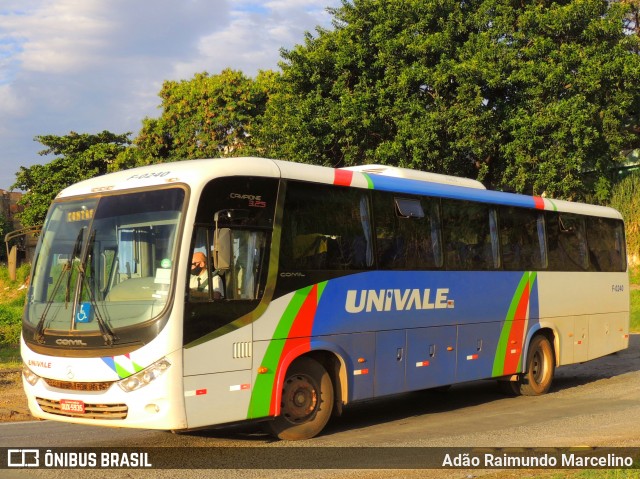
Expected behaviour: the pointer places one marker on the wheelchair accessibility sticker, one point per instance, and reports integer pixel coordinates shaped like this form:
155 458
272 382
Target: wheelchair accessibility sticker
84 313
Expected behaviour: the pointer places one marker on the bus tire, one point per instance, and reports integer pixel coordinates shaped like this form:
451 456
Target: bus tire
307 401
540 367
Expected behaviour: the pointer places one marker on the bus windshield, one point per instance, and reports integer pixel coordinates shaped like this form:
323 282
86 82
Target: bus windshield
104 265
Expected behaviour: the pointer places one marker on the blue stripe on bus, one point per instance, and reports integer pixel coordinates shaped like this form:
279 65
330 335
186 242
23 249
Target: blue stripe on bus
415 187
383 300
409 330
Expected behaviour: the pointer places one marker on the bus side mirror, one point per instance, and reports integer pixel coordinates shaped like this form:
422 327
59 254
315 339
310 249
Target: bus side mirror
222 249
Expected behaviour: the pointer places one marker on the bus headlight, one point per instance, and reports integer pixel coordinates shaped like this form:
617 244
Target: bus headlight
144 377
29 375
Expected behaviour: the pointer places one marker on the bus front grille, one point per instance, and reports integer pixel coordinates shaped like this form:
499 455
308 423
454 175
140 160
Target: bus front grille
77 386
91 411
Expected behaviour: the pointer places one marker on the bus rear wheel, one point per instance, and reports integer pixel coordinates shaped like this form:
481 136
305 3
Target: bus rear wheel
540 368
307 401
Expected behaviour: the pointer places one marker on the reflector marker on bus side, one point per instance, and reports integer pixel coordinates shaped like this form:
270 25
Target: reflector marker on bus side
360 372
240 387
472 357
421 364
197 392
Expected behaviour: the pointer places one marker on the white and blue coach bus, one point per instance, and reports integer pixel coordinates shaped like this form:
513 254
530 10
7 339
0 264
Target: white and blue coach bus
320 287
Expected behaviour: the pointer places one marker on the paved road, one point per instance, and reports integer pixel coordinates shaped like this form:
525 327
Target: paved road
592 404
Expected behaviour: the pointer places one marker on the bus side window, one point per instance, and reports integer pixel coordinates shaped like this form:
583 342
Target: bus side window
407 232
522 238
467 235
606 244
325 228
567 242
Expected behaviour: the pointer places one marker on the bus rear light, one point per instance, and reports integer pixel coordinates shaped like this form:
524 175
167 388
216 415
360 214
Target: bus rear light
30 376
144 377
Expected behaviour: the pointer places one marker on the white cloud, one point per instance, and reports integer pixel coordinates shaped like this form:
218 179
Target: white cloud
54 36
255 34
91 65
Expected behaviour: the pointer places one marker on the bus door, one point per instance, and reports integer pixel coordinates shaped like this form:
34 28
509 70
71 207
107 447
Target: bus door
227 279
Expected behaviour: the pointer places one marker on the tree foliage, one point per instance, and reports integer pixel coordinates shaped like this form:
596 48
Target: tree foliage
5 227
626 199
525 96
78 157
206 117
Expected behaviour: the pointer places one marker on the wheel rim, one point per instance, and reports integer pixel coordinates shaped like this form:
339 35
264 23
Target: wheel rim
299 399
537 367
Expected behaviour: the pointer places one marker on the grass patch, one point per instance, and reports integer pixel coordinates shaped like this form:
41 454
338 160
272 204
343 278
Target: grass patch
10 357
634 327
12 297
22 273
10 321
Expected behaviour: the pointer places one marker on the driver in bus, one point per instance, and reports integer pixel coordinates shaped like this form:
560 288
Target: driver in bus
199 274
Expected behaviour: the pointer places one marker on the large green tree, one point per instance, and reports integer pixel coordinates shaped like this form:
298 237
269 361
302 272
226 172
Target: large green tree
78 157
525 96
207 116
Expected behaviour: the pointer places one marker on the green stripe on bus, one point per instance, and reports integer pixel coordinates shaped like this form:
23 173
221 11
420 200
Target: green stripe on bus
369 181
501 351
261 394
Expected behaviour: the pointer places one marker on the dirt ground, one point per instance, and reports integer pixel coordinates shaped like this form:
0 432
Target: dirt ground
13 403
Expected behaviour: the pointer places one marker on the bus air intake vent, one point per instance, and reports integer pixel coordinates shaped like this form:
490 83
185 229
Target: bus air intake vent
242 350
91 411
76 386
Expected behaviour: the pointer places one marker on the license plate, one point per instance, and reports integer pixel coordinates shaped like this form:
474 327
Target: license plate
72 405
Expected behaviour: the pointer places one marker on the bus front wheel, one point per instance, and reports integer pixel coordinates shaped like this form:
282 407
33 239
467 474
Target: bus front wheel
307 401
540 368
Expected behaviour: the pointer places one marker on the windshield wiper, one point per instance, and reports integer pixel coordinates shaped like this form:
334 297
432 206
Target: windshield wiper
107 333
66 270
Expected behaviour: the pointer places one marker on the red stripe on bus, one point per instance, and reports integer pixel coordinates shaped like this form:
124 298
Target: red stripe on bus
343 177
299 338
516 335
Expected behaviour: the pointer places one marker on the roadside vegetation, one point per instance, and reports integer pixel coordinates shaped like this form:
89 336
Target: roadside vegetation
12 296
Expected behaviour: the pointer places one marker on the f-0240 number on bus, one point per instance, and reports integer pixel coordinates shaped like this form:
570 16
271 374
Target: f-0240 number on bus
159 174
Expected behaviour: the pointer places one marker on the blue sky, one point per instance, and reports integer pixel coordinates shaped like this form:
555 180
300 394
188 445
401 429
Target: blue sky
93 65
